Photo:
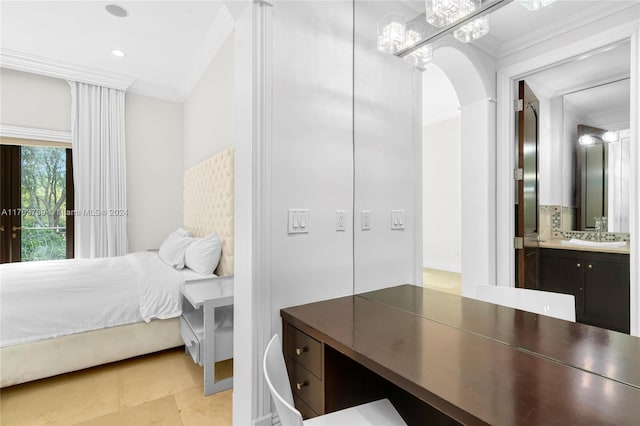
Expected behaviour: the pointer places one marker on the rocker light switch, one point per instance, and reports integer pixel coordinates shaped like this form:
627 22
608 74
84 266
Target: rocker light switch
298 221
397 219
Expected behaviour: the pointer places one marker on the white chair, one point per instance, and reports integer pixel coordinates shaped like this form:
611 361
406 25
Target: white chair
547 303
377 413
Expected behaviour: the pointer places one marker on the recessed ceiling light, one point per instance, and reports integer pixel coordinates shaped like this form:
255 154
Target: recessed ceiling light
118 53
116 10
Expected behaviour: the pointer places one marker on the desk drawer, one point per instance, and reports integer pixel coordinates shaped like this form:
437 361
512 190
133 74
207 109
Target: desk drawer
305 350
191 342
306 387
305 410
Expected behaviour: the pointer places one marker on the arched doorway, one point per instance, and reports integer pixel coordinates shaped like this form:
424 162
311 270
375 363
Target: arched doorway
473 79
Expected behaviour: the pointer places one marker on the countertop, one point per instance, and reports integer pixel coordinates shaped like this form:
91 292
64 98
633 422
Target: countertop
556 244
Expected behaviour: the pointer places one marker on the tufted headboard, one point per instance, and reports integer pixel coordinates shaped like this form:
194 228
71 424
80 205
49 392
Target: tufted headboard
208 203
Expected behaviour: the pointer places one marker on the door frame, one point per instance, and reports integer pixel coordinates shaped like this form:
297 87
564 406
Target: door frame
505 197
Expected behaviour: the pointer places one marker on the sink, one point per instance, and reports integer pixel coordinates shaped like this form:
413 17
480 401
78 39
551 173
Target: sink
585 243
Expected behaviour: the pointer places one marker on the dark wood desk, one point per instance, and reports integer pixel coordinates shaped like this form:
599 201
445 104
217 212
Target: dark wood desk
438 371
608 353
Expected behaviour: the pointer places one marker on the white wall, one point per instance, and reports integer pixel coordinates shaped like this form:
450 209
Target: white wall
441 186
30 100
441 195
387 137
153 134
310 152
208 110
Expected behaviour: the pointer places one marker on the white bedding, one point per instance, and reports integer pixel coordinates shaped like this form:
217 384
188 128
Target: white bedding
41 300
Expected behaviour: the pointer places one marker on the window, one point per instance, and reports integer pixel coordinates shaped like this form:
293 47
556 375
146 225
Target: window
36 203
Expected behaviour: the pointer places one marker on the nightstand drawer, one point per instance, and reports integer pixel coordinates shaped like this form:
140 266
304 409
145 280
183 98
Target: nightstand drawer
191 341
306 387
305 350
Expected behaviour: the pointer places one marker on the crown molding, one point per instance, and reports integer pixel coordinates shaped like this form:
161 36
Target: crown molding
155 91
494 47
63 70
222 26
565 25
8 131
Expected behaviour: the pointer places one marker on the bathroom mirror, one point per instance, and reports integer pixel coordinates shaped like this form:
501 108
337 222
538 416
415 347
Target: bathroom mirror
584 135
602 151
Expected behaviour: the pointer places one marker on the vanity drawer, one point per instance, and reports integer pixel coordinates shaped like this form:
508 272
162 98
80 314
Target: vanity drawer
306 386
304 409
191 342
305 350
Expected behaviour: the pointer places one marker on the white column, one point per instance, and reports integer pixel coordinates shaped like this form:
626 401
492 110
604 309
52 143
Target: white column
478 205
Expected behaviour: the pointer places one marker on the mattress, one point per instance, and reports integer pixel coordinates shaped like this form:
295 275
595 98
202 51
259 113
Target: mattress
48 299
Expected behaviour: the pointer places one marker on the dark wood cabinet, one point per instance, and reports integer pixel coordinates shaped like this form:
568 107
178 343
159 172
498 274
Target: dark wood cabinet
599 281
303 356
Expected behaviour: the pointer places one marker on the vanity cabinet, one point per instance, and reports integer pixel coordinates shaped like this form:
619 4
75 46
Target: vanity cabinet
599 281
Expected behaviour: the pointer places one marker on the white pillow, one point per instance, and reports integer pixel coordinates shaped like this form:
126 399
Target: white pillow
173 248
203 254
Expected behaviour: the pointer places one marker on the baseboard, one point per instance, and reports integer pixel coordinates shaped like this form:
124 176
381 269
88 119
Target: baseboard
268 420
443 265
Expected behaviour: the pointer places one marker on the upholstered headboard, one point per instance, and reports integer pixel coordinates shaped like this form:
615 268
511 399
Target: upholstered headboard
208 203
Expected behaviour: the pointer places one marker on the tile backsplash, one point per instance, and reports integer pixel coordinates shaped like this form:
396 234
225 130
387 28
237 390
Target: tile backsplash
559 222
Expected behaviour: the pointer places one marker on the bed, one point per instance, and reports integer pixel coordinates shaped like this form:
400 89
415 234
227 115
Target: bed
28 355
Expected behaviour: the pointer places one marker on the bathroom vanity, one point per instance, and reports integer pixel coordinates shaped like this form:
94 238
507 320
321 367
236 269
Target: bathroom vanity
599 281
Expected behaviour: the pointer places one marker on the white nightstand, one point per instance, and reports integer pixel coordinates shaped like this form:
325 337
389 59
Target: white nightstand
203 342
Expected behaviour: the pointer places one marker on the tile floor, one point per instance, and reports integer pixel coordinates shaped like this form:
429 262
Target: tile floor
448 282
165 388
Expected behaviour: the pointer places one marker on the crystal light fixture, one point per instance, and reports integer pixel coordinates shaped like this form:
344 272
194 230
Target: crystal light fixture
391 33
445 12
420 57
473 30
536 4
416 31
587 140
610 136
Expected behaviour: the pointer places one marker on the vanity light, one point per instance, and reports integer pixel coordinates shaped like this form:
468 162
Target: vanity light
440 13
391 33
473 30
415 31
420 57
535 4
587 140
610 136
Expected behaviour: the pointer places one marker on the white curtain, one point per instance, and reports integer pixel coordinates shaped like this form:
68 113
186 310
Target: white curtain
97 133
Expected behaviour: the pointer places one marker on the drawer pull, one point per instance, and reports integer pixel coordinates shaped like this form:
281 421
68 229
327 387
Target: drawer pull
299 386
300 351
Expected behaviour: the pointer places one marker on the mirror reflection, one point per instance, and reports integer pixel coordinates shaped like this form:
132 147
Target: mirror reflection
602 156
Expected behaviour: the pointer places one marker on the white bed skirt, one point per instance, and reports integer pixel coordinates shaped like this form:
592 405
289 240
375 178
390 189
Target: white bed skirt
45 358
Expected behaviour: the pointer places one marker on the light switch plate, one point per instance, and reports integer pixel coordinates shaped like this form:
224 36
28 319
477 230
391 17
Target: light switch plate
365 220
341 219
298 221
397 219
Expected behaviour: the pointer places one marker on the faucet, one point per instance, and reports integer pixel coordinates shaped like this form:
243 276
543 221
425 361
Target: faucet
601 222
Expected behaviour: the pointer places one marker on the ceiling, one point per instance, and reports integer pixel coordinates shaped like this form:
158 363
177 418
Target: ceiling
165 41
169 43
